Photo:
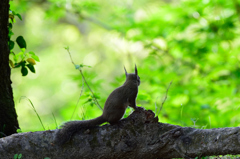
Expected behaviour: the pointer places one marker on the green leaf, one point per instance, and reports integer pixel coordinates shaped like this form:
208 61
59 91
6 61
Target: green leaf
24 71
35 57
15 58
15 156
31 68
82 65
21 42
19 131
31 53
19 16
10 25
11 44
20 156
10 33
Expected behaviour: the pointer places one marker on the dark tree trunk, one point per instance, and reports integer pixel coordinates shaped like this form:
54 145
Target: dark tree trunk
8 116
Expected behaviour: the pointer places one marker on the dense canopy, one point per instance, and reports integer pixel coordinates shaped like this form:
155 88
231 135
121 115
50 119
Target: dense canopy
194 44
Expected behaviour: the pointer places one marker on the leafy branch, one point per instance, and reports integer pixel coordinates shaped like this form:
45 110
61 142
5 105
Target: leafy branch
22 59
79 67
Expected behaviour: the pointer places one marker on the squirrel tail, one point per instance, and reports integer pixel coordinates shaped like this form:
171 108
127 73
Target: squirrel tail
69 128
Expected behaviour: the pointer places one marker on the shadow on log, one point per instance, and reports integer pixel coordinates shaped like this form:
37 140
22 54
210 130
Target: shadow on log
138 136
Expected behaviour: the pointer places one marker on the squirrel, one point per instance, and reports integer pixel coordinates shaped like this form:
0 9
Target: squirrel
114 108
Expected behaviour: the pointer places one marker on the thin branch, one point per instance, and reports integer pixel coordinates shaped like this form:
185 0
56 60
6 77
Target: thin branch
156 107
78 99
165 98
95 99
79 68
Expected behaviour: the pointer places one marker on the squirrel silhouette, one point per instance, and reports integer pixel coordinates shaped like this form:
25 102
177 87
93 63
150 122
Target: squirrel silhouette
114 108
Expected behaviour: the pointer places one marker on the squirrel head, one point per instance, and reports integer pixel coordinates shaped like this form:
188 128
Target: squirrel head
132 76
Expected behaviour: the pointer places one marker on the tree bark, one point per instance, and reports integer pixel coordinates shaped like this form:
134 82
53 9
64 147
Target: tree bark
138 136
8 116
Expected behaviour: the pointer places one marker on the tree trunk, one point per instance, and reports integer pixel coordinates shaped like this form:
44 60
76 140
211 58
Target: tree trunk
138 136
8 116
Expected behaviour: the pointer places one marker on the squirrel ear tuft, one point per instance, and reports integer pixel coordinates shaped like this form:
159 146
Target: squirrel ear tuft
136 72
125 71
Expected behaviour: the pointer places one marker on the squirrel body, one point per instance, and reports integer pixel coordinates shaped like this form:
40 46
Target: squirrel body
114 108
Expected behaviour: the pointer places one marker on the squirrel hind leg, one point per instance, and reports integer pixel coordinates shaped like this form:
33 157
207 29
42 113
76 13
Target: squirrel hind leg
114 115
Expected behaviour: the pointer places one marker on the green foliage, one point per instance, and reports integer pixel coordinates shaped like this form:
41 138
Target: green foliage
21 42
195 44
90 99
22 57
19 131
24 70
31 68
17 156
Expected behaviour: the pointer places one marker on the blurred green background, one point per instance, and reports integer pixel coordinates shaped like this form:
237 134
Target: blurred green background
194 43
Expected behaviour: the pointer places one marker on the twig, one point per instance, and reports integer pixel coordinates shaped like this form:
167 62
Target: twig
78 99
156 107
79 68
165 98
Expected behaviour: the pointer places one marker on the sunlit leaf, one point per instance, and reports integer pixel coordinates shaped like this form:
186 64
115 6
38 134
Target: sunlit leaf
11 63
31 53
35 57
31 61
